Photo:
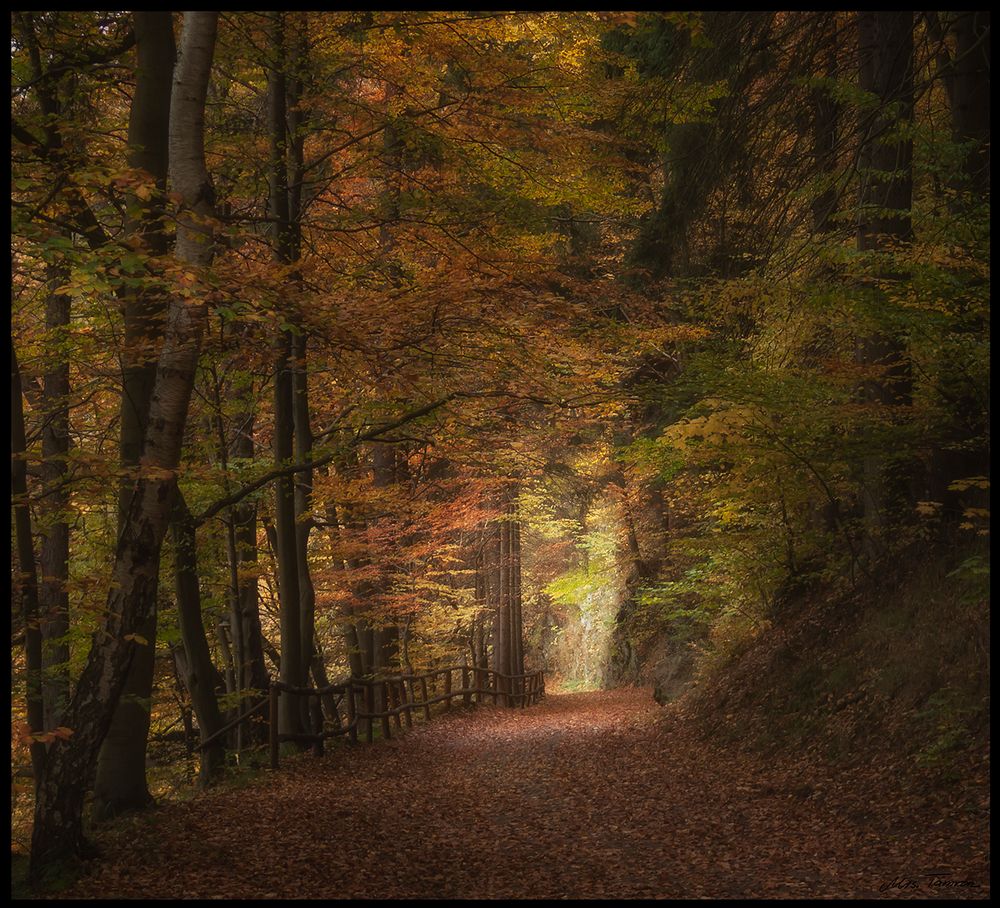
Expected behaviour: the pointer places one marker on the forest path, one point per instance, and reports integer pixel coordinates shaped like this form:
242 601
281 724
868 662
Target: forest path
588 795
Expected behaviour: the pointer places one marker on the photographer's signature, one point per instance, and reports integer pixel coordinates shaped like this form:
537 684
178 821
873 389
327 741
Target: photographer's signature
934 881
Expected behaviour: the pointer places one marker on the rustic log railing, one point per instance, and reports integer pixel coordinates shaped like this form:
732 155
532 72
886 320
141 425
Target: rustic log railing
256 708
357 697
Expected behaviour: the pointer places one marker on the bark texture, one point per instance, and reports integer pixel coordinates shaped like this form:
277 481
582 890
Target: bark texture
200 675
293 660
27 573
53 558
121 768
58 834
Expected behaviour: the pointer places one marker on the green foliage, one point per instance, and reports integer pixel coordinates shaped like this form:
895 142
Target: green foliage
973 579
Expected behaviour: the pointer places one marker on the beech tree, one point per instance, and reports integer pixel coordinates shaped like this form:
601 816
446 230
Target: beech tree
57 832
121 769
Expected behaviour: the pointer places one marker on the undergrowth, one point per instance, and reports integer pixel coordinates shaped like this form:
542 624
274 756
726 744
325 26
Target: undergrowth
903 659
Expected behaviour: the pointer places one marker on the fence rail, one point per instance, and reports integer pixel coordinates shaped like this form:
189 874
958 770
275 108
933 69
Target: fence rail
396 699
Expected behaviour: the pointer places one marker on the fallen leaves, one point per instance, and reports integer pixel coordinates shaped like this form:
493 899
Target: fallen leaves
582 796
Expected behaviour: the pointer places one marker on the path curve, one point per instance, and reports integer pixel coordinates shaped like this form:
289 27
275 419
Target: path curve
589 795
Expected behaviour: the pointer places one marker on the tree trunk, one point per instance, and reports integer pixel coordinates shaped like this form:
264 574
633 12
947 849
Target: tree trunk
300 382
293 664
303 503
825 140
253 674
886 52
964 450
201 678
967 81
384 637
353 642
228 675
27 575
53 558
502 651
53 561
58 834
121 768
120 783
491 577
336 520
517 626
232 644
323 680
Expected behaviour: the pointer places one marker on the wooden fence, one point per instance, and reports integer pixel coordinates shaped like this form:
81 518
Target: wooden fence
355 701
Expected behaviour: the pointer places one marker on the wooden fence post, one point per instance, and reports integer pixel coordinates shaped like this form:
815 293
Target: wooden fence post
352 713
384 700
273 730
370 710
407 694
336 711
317 717
447 689
392 698
466 696
423 691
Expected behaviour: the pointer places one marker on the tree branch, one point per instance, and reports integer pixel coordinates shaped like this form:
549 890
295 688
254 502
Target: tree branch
313 463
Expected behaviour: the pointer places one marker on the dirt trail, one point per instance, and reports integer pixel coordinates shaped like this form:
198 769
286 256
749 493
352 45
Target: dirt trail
592 795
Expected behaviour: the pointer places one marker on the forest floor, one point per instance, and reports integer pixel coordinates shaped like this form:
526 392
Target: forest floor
585 795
